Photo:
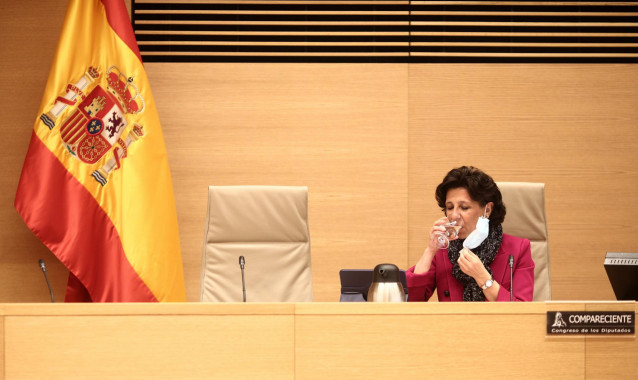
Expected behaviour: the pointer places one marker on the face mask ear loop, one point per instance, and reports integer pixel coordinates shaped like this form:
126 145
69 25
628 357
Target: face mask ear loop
485 212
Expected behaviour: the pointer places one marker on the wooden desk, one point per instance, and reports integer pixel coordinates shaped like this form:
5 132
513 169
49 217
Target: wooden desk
304 341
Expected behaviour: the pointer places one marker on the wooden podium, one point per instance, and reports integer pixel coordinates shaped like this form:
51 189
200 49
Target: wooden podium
305 341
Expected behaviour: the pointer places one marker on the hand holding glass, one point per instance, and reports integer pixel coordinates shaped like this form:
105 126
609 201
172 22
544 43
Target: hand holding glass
451 233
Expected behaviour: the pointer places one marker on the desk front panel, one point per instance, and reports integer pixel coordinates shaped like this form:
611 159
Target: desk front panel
150 346
305 341
433 341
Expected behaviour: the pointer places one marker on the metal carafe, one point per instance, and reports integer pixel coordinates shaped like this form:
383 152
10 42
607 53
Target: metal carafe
386 284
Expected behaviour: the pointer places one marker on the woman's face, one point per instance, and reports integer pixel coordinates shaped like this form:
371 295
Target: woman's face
461 207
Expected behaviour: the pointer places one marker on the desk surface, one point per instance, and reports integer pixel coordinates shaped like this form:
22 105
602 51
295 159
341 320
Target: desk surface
305 341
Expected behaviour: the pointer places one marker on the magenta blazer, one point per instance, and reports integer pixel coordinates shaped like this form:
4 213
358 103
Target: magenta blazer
422 286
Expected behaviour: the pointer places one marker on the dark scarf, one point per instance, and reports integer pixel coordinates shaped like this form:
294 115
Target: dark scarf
486 251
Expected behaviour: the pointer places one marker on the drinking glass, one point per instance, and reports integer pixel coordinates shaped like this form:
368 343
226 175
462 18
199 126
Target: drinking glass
451 233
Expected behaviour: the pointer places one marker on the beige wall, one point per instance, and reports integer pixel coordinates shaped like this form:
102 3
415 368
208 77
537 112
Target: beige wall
371 141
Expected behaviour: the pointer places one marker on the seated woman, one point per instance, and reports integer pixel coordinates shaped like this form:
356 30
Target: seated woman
475 264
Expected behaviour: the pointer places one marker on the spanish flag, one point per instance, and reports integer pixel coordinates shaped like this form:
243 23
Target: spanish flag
95 186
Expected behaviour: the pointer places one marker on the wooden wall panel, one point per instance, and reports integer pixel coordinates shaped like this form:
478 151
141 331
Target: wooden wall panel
29 32
338 129
371 141
572 127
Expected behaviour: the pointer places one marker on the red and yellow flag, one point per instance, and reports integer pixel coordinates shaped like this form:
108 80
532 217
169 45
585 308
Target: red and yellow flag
96 186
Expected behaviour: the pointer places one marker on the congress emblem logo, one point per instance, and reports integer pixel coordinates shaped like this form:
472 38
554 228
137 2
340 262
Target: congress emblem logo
97 125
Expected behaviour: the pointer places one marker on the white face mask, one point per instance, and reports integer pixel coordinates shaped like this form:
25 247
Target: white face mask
476 237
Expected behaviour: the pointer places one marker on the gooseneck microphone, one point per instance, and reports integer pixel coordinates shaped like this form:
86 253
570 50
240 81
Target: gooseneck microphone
511 262
242 262
44 270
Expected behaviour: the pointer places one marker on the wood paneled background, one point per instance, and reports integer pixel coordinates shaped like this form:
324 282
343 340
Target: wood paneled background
371 141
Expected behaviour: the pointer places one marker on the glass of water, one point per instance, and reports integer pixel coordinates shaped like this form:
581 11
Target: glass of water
451 233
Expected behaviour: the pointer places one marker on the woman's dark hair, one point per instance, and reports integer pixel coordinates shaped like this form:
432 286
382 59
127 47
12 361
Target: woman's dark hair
478 184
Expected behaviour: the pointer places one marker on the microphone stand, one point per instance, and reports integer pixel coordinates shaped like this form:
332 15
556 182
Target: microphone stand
511 262
242 261
44 270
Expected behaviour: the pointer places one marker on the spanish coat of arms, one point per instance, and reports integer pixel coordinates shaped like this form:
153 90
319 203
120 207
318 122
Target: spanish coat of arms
95 126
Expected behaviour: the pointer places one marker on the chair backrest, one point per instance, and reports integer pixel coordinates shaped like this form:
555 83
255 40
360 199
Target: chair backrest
268 225
526 218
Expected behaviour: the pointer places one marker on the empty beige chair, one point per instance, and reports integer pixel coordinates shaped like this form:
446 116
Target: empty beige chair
268 226
525 218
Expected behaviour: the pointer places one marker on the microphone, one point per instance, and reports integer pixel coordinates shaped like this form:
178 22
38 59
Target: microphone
44 270
511 262
242 262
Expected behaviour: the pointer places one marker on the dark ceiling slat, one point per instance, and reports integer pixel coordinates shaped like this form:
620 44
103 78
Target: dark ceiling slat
387 31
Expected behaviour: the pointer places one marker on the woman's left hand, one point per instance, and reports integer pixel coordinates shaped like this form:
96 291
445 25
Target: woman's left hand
471 265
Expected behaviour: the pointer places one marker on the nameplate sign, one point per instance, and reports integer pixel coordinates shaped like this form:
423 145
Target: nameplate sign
591 323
